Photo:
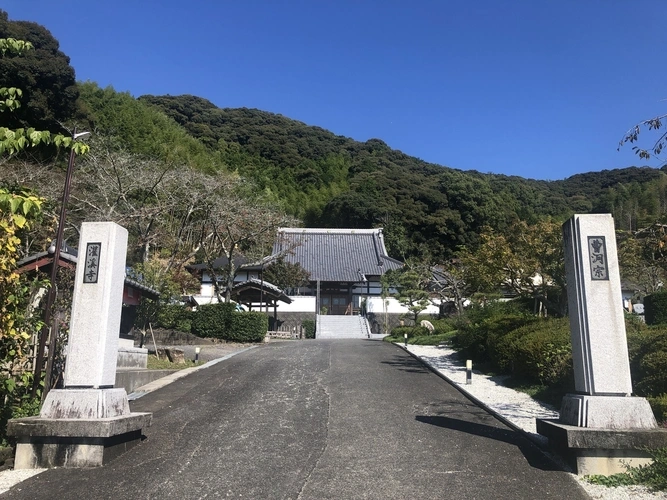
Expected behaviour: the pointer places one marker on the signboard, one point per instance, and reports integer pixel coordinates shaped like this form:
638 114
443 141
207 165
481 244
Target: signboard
92 263
597 252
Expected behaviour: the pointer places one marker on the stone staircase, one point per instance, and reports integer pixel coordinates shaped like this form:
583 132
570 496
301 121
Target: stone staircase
342 327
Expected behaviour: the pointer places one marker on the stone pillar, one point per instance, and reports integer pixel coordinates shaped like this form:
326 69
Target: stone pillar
597 329
597 325
89 421
601 427
96 306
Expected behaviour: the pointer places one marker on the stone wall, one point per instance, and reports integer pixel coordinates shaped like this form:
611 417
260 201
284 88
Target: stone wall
377 321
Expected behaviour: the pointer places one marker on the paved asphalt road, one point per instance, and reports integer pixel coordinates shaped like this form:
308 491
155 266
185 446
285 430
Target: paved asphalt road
315 420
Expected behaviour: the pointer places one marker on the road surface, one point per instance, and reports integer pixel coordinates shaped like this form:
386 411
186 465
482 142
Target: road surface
315 419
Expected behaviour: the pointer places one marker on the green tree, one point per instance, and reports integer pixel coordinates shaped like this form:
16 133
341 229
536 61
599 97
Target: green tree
411 284
527 261
643 257
14 140
43 74
286 275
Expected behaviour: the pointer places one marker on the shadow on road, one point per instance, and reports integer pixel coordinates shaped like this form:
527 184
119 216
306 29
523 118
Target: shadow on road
532 454
406 364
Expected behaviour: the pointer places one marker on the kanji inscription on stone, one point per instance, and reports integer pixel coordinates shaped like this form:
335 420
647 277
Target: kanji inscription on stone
597 251
92 264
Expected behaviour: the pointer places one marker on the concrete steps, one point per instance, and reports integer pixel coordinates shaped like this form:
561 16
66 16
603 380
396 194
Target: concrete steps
342 327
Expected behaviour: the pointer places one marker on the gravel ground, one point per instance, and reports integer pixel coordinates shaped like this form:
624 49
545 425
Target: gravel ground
518 408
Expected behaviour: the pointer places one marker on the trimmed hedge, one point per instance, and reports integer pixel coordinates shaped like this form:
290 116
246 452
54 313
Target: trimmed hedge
212 320
540 351
655 308
248 326
222 321
483 341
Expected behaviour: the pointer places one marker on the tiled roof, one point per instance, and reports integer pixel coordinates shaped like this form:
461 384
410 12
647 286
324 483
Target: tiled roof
336 254
70 254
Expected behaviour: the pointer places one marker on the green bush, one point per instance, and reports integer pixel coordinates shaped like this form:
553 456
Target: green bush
647 346
174 317
540 351
247 327
442 326
479 332
434 339
212 320
309 327
659 407
655 308
222 321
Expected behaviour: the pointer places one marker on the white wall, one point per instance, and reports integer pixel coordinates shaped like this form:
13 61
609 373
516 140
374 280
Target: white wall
374 305
299 304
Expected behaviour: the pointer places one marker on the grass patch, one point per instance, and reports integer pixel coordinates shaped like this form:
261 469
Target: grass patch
653 475
164 364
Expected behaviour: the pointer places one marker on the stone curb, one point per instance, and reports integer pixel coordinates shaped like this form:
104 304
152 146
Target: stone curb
477 401
161 382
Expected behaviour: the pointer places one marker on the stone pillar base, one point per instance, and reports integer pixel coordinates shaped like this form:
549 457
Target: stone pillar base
607 412
85 403
601 451
50 442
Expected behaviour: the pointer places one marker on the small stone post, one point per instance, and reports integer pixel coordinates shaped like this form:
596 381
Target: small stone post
89 421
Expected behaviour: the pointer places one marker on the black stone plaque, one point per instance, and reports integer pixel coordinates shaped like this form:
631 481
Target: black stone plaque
597 254
92 263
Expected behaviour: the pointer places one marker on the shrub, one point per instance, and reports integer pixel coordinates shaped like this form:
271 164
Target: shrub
442 326
659 407
247 327
655 308
479 337
309 327
222 321
541 351
412 331
174 317
648 359
433 339
212 320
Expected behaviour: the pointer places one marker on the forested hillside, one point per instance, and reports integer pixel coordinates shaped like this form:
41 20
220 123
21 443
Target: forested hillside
333 181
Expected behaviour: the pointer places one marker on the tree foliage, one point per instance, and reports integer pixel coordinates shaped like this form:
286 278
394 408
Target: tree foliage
286 275
43 74
652 124
411 285
527 261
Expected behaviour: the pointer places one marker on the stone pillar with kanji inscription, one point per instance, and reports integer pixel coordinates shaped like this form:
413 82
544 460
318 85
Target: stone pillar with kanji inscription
597 328
89 421
602 427
96 306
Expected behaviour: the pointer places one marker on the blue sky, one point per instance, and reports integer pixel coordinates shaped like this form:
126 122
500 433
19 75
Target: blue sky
542 89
